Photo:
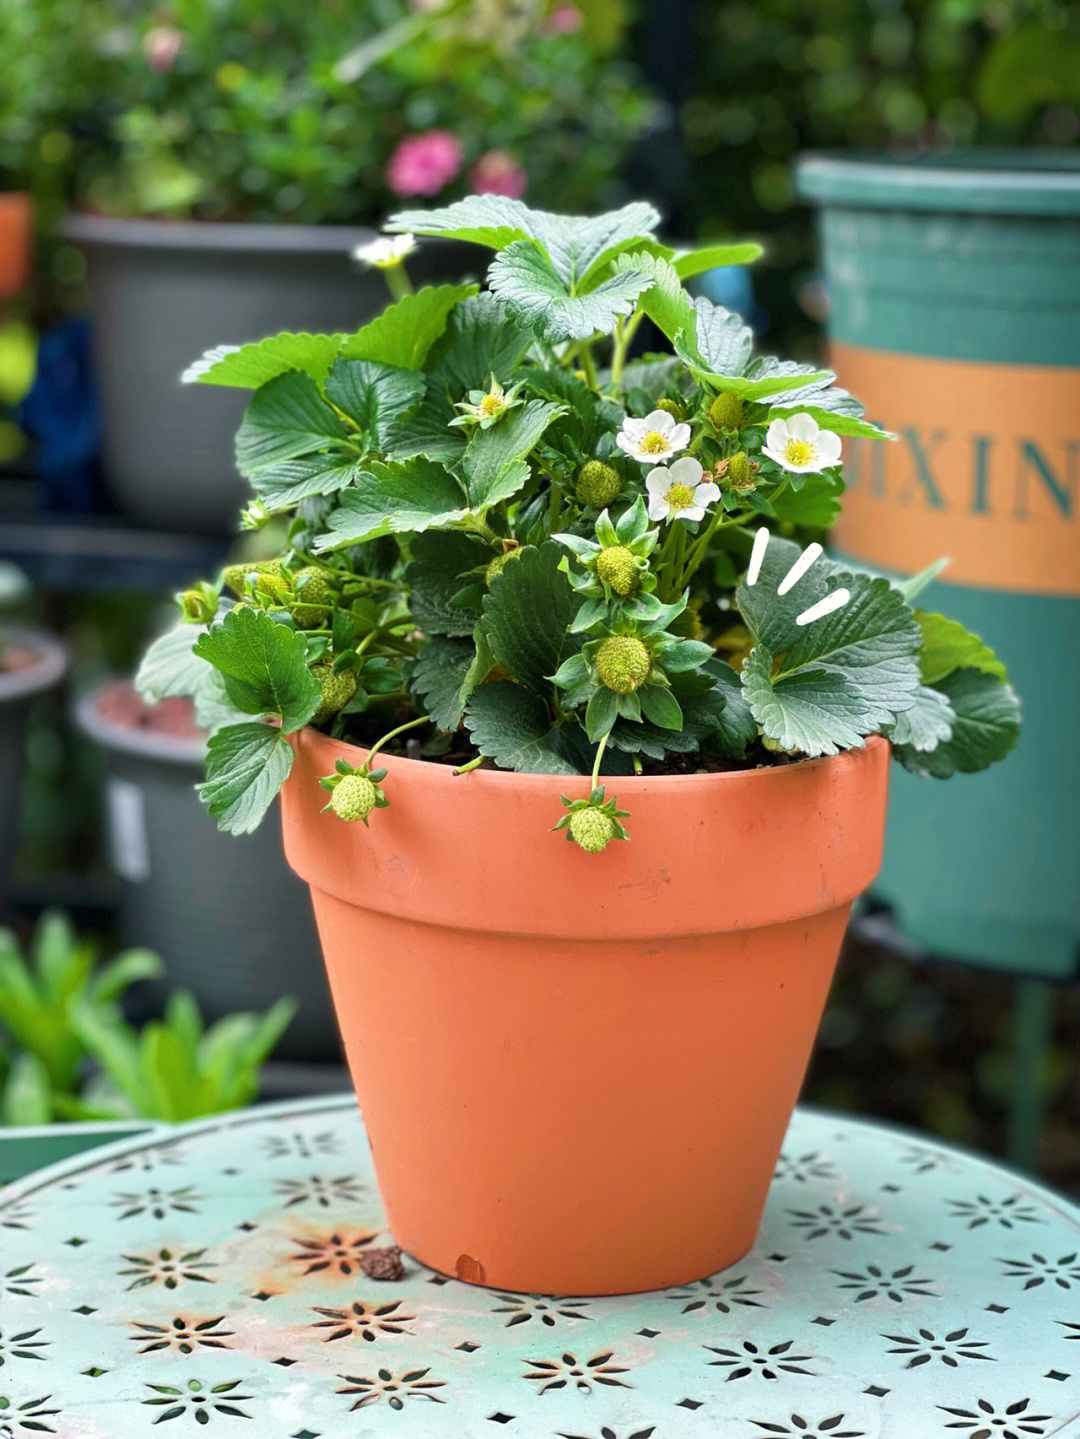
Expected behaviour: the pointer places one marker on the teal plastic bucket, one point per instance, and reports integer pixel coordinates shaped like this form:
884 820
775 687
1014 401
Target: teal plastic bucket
954 286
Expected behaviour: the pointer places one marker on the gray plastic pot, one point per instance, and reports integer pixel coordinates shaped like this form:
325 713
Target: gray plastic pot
18 691
162 292
228 916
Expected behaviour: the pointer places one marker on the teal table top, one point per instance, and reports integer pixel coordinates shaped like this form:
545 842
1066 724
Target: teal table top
221 1279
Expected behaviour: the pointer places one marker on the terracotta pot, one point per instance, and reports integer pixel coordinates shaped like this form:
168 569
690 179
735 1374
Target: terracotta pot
16 241
576 1071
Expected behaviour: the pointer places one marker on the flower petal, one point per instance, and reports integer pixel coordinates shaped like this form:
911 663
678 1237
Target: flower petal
658 507
775 438
691 512
680 436
706 494
625 443
658 481
829 449
802 426
661 422
686 470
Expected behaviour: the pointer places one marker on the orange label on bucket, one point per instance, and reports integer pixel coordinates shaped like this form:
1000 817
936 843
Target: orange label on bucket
984 469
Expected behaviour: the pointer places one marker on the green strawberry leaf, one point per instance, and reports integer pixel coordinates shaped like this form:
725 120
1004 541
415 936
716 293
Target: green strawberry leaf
246 765
787 379
170 667
406 330
512 726
494 462
374 396
248 367
263 665
285 484
527 617
985 726
719 342
577 246
822 686
440 563
481 340
928 723
387 499
439 679
665 301
814 506
536 296
948 646
285 418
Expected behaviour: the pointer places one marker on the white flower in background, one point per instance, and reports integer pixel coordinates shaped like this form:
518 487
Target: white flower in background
677 493
654 438
800 445
385 251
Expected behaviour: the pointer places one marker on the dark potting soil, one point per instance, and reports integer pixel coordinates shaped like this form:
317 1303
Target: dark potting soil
14 660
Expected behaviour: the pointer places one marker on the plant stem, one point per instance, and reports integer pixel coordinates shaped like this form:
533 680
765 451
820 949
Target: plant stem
588 366
473 764
554 506
397 281
412 724
599 754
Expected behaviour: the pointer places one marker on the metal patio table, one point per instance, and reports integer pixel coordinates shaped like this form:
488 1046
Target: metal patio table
215 1279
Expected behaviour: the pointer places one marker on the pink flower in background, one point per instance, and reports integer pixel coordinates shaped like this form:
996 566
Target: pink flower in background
423 164
563 20
498 173
161 46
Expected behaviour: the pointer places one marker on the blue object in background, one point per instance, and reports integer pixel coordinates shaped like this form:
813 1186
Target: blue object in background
62 413
732 287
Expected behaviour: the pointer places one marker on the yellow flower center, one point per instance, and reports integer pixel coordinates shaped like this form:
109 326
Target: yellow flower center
491 404
655 443
680 497
799 452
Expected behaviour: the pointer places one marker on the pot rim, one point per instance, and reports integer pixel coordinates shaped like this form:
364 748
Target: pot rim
236 236
129 739
555 783
50 669
966 182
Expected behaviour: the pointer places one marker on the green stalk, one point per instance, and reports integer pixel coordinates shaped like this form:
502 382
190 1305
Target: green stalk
412 724
596 762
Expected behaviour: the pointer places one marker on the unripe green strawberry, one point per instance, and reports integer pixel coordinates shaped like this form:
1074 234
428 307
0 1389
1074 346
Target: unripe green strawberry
273 587
673 408
313 588
337 689
592 830
199 605
740 472
622 664
727 412
598 484
235 576
496 566
354 797
618 569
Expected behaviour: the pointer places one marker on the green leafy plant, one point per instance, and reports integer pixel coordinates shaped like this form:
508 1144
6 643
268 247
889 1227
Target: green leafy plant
267 110
512 544
61 1012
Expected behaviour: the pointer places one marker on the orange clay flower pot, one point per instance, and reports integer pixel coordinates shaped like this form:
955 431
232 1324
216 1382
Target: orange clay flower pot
16 239
576 1070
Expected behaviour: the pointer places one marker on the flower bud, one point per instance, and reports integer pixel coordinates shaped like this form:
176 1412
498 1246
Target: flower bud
672 407
199 605
727 412
622 663
354 797
618 569
592 829
337 689
598 484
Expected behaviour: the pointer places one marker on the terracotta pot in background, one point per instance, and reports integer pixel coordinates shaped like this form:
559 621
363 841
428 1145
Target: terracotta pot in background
16 241
576 1071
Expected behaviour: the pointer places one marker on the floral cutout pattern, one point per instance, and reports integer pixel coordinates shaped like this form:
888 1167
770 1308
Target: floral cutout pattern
570 1372
266 1292
198 1400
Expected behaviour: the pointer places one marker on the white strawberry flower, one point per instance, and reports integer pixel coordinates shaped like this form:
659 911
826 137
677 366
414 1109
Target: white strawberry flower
385 251
800 445
677 493
654 438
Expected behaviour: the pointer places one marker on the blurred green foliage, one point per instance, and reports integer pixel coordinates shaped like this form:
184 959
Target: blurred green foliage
273 110
776 77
